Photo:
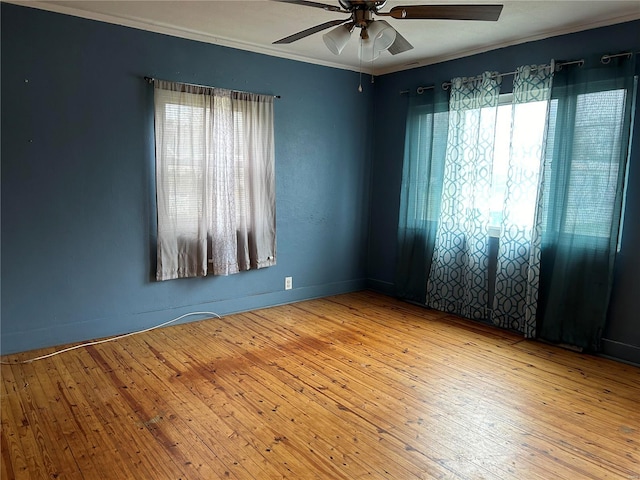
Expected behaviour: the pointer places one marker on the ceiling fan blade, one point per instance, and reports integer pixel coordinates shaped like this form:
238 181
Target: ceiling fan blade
305 3
310 31
447 12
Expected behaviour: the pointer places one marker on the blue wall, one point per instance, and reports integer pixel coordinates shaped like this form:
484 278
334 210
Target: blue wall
623 333
77 178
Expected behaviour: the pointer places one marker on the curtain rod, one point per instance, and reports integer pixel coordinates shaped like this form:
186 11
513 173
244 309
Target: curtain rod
419 90
556 66
151 80
446 85
605 59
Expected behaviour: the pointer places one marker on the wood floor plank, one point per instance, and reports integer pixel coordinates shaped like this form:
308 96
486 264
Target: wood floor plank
558 383
225 374
32 463
385 418
591 467
214 394
46 403
353 386
403 445
111 427
167 377
158 417
258 368
626 441
13 462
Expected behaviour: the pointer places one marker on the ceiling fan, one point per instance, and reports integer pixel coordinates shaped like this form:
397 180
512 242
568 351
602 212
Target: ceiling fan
379 35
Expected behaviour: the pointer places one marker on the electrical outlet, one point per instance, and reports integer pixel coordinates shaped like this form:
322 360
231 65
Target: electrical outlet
288 283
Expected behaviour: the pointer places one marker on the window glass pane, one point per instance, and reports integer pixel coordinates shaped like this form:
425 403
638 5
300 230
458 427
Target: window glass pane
183 151
593 177
527 141
520 130
594 174
500 164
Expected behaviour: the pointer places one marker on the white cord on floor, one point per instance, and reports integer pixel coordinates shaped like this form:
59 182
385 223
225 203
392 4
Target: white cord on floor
87 344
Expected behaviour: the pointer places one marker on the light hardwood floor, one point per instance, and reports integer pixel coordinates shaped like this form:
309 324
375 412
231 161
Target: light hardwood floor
348 387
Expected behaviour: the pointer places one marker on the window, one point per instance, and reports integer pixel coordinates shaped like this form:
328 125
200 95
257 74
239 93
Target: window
597 132
593 179
523 145
546 174
593 185
180 160
214 180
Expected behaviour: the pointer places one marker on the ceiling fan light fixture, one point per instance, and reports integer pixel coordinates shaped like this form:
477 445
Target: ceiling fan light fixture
366 52
337 39
381 34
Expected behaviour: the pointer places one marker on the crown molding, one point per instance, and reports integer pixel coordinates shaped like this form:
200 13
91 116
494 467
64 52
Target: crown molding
170 30
165 29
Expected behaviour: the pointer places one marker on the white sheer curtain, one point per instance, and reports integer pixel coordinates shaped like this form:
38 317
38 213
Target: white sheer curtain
214 179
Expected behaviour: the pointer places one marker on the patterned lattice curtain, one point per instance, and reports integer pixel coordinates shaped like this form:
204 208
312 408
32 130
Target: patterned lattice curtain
459 277
518 264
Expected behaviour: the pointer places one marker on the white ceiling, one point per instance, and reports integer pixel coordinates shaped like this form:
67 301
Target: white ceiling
254 25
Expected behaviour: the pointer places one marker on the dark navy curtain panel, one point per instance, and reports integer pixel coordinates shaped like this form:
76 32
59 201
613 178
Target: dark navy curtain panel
423 169
587 151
